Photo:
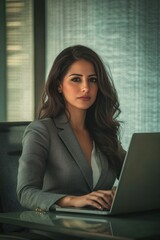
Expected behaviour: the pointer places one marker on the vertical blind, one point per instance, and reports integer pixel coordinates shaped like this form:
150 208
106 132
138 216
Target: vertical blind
19 47
126 34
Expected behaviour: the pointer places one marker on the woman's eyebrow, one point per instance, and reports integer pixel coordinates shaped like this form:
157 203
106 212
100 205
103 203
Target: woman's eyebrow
73 74
93 75
77 74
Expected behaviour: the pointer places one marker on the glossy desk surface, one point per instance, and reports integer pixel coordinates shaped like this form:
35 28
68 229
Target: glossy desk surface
127 227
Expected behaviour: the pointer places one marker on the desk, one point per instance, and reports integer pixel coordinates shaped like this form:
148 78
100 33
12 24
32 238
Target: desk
126 227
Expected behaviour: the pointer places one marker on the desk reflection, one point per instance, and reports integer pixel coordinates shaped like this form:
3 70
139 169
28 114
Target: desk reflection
72 222
135 226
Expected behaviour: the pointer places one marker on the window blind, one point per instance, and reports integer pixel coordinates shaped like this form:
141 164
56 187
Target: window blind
20 60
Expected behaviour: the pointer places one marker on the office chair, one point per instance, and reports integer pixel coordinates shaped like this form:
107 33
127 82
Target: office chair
10 150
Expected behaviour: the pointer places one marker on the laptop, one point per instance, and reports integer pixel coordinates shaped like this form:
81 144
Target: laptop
138 189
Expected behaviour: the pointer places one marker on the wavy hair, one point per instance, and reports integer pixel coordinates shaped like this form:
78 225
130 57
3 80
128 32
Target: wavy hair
101 117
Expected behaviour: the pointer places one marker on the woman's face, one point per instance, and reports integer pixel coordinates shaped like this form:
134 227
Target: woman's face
79 85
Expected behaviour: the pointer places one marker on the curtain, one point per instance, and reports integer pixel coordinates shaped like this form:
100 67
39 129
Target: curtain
126 34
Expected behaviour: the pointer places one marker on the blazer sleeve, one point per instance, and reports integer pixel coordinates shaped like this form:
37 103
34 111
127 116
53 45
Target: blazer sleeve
32 165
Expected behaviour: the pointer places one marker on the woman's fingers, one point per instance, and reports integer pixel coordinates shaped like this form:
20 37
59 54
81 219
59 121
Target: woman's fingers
109 193
100 199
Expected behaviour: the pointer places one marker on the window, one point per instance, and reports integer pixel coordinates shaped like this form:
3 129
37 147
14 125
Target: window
20 60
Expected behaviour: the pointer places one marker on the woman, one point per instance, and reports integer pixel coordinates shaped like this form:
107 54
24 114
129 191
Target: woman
71 154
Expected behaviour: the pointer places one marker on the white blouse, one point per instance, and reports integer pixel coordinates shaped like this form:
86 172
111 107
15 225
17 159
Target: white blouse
96 165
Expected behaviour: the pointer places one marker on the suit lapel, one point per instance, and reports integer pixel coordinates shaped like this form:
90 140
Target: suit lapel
69 139
108 174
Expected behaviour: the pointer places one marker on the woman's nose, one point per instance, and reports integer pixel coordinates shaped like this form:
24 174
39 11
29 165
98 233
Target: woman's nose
85 87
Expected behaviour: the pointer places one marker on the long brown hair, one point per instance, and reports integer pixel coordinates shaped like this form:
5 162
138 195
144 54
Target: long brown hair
101 117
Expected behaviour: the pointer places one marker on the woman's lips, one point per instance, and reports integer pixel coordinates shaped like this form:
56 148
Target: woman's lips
84 98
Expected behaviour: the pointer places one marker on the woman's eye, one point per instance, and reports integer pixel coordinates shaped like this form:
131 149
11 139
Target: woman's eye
93 80
76 79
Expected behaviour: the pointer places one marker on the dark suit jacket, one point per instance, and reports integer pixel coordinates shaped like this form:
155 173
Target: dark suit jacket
52 165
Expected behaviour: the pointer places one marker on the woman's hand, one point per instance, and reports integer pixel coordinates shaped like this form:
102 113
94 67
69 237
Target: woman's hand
101 199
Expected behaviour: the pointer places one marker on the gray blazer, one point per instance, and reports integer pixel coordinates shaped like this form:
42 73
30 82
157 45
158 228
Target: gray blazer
52 165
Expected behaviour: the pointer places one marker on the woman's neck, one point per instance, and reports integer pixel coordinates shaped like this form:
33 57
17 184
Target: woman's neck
77 119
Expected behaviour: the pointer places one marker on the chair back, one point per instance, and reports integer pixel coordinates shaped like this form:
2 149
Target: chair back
11 134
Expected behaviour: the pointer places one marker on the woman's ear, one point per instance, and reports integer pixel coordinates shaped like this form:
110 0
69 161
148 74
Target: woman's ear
60 88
